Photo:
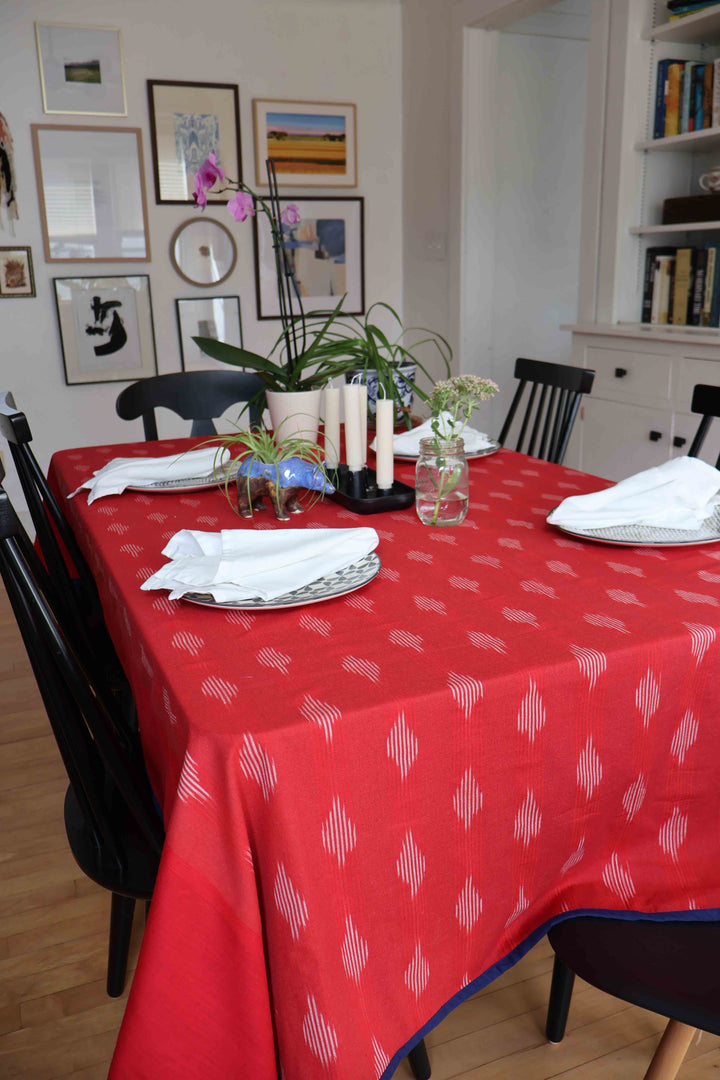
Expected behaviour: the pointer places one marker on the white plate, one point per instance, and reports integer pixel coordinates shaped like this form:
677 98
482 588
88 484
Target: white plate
337 583
470 457
186 484
650 535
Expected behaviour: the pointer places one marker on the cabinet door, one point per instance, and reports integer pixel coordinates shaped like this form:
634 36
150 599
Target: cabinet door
685 427
619 439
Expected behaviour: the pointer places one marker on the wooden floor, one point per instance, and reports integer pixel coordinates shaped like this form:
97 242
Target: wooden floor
56 1021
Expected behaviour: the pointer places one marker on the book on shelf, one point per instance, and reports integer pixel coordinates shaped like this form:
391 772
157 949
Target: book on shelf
686 121
697 93
672 99
716 94
651 256
710 287
661 94
708 95
698 287
682 286
662 289
688 7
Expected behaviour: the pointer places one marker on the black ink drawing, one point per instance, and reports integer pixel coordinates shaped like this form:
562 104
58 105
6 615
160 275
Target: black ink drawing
114 331
7 175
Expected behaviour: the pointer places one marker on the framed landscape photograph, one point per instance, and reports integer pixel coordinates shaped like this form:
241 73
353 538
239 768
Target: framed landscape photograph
312 143
187 121
81 69
16 272
92 193
215 317
326 249
106 328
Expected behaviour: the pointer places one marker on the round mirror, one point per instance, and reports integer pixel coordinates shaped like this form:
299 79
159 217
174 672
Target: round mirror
203 251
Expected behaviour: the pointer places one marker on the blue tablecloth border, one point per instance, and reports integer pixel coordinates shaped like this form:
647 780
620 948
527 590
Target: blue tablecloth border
696 915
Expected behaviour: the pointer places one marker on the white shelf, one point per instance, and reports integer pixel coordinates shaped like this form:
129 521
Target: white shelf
681 227
691 142
697 29
706 335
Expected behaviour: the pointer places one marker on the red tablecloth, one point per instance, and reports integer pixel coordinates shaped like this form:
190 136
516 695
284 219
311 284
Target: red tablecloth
373 802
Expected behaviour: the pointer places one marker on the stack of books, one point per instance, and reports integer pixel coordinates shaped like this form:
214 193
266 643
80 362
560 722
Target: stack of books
687 97
678 9
682 286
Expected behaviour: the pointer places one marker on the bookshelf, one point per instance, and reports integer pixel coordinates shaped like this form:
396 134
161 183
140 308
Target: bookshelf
622 218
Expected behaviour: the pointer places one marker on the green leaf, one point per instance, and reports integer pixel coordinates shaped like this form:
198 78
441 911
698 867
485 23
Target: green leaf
243 358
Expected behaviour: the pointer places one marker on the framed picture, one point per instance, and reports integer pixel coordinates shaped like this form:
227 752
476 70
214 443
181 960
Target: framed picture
312 143
326 251
106 328
187 121
92 193
81 69
16 272
203 251
212 316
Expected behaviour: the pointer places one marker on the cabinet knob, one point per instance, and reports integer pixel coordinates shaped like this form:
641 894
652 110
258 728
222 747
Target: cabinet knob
620 372
679 441
655 435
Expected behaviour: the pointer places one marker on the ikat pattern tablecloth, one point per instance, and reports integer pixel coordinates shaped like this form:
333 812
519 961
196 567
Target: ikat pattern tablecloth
374 803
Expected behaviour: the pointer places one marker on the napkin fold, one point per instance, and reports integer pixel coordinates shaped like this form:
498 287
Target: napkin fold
120 473
679 494
408 442
241 564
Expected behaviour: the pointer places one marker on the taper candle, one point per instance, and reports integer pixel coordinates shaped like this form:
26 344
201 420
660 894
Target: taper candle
351 405
384 417
332 426
362 405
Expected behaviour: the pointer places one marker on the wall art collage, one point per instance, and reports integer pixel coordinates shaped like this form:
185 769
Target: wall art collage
94 208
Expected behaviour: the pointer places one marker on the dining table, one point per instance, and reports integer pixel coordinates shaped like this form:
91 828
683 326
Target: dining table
377 803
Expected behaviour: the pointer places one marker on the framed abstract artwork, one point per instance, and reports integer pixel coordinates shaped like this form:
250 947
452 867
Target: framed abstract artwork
326 252
16 272
215 317
81 69
187 121
92 193
106 328
312 143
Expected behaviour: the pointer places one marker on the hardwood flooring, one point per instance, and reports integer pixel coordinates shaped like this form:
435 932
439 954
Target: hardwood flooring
57 1023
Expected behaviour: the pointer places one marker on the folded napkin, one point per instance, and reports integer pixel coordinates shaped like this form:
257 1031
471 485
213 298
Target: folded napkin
680 494
136 472
240 564
408 442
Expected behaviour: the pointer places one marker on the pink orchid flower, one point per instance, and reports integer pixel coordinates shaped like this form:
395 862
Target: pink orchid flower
241 205
290 215
208 173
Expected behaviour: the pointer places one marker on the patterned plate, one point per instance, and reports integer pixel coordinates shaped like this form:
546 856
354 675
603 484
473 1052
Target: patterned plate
337 583
186 484
651 535
470 457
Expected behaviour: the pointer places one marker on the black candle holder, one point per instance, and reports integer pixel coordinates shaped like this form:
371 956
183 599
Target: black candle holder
358 491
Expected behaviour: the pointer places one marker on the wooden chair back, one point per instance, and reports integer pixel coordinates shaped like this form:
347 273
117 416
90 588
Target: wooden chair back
200 396
554 395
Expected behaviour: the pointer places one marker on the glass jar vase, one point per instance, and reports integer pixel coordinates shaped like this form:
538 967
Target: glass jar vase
441 482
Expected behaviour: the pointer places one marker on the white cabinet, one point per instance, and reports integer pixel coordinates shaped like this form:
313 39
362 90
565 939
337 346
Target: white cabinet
638 413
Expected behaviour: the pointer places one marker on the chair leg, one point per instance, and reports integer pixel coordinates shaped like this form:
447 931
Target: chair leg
419 1061
121 920
561 990
671 1050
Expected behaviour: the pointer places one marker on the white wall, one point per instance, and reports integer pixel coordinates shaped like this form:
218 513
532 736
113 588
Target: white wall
537 146
314 50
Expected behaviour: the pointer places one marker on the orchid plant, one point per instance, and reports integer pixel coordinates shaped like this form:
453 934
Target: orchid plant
305 366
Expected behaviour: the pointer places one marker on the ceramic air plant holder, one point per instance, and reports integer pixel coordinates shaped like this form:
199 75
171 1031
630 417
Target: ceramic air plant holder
282 483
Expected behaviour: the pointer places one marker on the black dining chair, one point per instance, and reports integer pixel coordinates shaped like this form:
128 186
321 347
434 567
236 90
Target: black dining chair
549 415
112 822
671 967
76 597
705 400
200 396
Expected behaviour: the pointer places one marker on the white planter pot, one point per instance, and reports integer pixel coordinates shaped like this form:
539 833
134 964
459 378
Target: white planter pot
295 413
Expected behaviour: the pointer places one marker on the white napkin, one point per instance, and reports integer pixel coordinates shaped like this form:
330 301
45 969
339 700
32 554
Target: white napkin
240 564
679 494
408 442
136 472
